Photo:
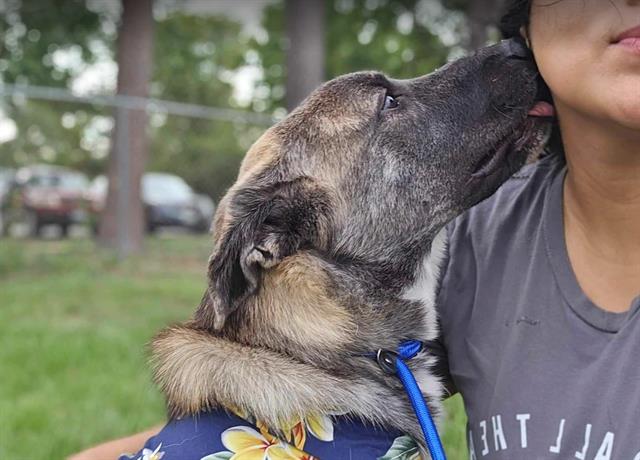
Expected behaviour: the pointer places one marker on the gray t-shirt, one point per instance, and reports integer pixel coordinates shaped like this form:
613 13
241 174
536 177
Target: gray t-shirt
544 373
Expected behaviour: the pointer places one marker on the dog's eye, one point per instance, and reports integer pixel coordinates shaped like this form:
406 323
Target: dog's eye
390 102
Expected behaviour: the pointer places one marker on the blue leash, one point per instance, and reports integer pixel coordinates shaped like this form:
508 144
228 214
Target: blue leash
394 363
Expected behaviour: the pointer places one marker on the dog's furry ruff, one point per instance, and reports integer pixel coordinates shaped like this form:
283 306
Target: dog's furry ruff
197 371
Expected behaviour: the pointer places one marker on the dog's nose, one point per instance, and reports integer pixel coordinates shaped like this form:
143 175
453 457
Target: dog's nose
514 48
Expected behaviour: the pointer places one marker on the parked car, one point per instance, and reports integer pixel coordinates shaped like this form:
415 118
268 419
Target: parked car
168 202
206 208
42 195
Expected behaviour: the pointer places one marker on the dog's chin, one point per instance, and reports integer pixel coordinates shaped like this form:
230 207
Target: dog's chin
507 157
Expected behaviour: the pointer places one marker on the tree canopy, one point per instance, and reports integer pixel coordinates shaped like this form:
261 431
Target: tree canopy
196 60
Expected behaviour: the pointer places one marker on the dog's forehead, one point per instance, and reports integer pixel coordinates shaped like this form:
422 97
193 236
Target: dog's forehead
263 152
356 90
340 107
336 110
355 83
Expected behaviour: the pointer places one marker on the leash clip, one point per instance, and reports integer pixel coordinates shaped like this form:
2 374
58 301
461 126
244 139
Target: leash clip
393 363
387 359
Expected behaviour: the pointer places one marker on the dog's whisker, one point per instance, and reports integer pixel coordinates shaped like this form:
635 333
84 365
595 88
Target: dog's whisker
514 107
493 106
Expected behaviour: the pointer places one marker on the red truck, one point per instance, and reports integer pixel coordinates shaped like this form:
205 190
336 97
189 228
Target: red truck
42 195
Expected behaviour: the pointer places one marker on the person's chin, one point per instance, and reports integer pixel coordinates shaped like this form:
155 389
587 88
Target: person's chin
628 113
632 123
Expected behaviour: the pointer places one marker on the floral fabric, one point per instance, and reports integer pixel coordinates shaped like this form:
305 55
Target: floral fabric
223 436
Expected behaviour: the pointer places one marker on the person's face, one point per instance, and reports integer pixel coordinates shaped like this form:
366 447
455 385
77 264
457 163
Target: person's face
589 71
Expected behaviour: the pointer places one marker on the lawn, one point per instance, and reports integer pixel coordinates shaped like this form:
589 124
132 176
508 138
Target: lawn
74 322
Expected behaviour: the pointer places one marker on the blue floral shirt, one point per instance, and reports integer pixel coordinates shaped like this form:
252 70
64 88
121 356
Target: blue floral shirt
222 436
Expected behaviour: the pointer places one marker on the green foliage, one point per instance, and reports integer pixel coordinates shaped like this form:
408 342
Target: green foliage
454 435
191 56
386 37
403 448
34 31
380 35
42 137
36 35
462 5
195 59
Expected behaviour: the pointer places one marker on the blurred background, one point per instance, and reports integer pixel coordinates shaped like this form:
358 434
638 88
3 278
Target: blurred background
122 122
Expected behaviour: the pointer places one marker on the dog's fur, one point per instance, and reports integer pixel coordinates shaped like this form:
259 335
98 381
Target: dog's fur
324 248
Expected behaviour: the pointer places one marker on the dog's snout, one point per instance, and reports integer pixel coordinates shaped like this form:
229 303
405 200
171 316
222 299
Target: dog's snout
514 48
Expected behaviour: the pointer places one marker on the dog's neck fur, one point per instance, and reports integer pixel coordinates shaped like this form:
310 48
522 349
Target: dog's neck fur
295 349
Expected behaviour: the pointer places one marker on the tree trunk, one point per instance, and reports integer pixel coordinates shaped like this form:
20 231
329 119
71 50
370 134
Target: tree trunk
122 224
305 26
481 15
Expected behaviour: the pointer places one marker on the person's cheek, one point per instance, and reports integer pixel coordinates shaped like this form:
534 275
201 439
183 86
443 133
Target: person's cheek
564 56
571 43
560 59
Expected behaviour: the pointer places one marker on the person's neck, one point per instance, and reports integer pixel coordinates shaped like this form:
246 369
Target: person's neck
602 204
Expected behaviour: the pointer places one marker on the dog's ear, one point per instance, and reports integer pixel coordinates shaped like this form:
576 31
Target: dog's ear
263 225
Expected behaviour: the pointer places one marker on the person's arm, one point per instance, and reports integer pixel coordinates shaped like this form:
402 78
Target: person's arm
113 449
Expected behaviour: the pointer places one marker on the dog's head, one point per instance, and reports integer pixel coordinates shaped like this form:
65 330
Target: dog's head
369 168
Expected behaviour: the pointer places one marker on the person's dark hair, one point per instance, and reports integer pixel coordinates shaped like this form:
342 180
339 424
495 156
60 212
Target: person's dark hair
515 16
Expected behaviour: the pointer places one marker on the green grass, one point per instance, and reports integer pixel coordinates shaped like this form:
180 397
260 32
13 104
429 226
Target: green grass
74 322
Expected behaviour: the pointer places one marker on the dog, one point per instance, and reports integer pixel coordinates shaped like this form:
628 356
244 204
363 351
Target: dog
328 245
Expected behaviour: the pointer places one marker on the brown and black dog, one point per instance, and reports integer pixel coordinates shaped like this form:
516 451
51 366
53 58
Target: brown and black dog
327 246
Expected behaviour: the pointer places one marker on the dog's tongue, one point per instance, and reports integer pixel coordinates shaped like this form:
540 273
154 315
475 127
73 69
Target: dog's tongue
542 109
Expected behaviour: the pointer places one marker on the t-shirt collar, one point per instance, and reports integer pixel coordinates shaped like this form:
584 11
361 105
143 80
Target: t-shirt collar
563 271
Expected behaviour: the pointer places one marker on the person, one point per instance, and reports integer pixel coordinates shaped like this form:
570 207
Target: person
539 300
540 290
112 449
